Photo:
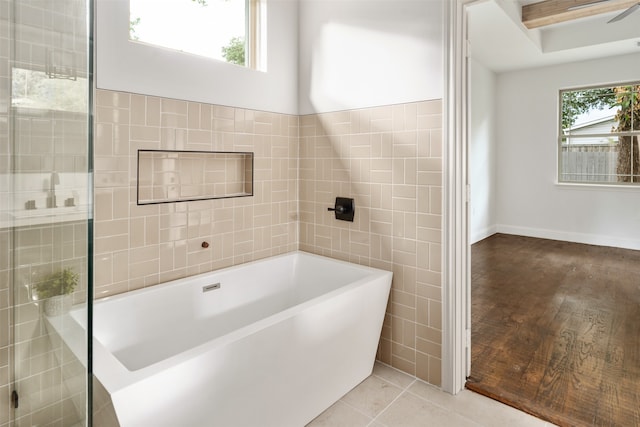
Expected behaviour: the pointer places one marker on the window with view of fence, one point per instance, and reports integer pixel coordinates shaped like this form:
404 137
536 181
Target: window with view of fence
589 163
598 135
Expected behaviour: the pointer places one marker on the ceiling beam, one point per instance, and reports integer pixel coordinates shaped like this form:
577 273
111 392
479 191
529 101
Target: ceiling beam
555 11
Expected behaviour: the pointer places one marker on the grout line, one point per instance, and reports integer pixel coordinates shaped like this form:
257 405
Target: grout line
440 405
353 407
357 410
429 400
375 419
413 377
482 398
402 390
406 390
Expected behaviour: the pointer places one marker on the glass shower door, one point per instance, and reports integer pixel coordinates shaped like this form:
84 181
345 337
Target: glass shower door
45 215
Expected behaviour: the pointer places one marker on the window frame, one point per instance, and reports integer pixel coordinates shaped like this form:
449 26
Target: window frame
254 14
562 135
138 68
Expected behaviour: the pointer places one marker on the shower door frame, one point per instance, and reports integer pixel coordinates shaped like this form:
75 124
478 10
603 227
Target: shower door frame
86 223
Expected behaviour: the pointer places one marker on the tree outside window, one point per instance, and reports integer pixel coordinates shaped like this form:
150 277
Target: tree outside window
599 134
213 28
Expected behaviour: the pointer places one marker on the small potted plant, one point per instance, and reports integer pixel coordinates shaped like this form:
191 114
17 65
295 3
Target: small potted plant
55 289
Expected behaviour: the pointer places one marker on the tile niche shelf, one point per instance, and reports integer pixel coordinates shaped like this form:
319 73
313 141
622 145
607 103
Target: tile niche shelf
167 176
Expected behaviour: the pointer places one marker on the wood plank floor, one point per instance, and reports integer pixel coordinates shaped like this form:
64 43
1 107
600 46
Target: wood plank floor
556 329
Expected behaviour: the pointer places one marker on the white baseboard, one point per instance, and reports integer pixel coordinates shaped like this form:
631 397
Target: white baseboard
478 235
567 236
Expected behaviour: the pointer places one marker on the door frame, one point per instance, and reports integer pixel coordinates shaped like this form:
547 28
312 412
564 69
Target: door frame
456 274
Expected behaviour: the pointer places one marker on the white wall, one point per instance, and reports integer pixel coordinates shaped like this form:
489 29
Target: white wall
529 201
323 55
363 53
144 69
482 152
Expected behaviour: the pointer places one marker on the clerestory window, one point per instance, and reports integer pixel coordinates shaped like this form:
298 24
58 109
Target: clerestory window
227 30
598 135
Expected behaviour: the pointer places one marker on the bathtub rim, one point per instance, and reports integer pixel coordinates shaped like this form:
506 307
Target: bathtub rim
115 376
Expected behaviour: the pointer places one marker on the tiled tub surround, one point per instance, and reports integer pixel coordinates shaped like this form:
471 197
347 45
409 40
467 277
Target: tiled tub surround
138 246
175 176
387 158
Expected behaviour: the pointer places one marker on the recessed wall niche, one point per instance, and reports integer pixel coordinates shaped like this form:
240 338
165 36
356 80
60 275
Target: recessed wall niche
166 176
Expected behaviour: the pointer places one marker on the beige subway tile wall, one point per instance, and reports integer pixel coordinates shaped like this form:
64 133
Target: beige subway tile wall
143 245
389 159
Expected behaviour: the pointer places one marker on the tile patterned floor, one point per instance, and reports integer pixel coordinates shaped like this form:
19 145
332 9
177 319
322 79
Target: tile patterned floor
393 399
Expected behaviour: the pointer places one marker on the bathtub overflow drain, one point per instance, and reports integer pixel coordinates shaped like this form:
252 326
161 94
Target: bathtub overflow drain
208 288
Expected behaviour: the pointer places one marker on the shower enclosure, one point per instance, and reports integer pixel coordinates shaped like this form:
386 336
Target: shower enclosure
45 210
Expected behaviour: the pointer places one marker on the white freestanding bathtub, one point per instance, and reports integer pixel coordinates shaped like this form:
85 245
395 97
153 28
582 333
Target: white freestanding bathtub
269 343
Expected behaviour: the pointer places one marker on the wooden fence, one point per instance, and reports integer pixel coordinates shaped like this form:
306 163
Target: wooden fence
589 162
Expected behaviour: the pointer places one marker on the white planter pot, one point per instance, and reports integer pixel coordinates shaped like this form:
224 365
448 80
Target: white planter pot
55 306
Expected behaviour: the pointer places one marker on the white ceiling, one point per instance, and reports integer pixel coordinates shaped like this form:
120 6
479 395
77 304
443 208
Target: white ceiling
501 42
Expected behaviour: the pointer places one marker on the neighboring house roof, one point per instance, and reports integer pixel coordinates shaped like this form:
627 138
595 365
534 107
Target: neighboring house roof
602 125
